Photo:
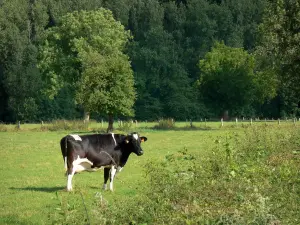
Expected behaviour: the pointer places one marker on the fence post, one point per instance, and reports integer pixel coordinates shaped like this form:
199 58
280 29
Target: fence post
236 121
222 124
136 123
294 121
191 123
101 123
19 125
251 121
265 121
278 121
205 122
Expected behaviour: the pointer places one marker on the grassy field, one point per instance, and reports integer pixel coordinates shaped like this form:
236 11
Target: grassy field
32 171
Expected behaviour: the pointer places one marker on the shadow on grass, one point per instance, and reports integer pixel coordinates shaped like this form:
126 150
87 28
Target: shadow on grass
40 189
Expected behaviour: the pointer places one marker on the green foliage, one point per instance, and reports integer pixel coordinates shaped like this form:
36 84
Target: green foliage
85 53
164 124
279 50
169 38
228 80
21 26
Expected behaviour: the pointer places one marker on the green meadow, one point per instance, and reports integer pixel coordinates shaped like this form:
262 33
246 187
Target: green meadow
204 174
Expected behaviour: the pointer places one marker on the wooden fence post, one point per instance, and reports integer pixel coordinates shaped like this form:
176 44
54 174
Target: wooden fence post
222 124
251 121
278 121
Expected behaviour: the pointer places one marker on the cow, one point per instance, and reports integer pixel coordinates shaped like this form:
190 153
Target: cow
95 151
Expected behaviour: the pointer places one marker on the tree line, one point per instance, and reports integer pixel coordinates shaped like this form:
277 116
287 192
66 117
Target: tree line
149 59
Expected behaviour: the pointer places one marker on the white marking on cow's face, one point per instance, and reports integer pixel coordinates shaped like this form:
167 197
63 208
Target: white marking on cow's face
113 136
135 136
76 137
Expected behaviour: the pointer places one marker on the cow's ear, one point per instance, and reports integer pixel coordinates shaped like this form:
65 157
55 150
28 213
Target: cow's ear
143 139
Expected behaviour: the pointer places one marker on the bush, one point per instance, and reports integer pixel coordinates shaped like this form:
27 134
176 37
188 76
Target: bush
125 125
165 124
3 127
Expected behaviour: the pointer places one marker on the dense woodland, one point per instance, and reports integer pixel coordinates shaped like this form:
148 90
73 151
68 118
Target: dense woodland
190 59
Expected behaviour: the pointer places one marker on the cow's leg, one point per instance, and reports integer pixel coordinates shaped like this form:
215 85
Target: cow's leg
112 175
71 173
106 176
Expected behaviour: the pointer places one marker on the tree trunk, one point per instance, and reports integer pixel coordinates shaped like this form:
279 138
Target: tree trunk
110 123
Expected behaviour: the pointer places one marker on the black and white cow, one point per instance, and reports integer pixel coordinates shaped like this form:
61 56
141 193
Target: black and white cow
92 152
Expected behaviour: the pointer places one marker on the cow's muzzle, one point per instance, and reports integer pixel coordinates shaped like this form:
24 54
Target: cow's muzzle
140 153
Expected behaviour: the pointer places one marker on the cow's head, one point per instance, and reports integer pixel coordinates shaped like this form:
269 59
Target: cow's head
133 141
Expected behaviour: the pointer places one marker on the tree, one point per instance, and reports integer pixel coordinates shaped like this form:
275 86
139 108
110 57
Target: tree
85 53
21 26
280 49
228 80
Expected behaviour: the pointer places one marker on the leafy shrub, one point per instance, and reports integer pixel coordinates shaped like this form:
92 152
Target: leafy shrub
3 127
125 125
165 124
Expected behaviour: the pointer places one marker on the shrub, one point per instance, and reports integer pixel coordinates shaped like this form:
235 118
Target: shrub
125 125
3 127
165 124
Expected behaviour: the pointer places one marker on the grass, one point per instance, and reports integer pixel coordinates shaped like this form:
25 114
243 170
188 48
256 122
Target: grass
33 181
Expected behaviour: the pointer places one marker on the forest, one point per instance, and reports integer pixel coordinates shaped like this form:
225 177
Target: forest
181 59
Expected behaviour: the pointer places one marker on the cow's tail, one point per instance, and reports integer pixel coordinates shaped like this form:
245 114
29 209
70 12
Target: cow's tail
66 153
63 146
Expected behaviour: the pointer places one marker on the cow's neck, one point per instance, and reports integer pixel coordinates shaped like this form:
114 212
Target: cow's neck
124 157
